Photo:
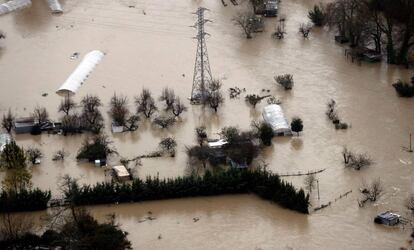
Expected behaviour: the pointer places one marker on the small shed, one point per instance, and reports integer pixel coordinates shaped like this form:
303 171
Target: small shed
387 218
24 125
274 116
4 140
121 173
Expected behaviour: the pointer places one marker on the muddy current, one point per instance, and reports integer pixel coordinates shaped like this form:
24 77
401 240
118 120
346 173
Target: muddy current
149 44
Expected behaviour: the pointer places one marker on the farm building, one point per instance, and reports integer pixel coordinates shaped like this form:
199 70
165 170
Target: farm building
274 116
121 173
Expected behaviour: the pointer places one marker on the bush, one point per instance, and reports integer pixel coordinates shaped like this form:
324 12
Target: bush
96 149
404 89
285 80
297 125
317 16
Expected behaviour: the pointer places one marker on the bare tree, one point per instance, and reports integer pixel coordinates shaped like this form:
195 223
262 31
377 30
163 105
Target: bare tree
66 105
371 192
164 121
118 109
145 103
309 182
14 226
178 108
91 116
355 160
7 121
59 155
199 154
168 145
201 134
168 96
285 80
132 123
41 115
255 99
33 154
215 98
71 124
244 21
410 203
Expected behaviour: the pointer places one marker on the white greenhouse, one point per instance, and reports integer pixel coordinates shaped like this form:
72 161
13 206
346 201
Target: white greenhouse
273 115
81 73
55 6
14 5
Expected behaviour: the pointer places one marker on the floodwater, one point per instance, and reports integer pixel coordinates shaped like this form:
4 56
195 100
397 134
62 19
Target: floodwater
150 45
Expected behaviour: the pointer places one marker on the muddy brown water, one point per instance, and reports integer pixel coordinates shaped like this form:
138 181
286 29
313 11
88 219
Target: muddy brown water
156 50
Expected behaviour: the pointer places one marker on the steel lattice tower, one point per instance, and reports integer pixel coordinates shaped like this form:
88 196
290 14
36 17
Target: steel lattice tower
202 73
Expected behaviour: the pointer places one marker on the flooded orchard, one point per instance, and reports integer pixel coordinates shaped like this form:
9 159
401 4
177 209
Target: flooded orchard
149 44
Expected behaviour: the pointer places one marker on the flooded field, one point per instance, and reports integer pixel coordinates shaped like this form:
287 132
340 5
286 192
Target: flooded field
149 44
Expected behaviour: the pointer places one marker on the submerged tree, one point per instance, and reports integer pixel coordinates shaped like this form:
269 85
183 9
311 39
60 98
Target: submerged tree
7 121
244 21
98 148
41 115
168 96
145 103
33 154
201 134
215 97
71 124
285 80
355 160
317 15
309 182
12 156
178 107
255 99
66 105
164 121
264 131
119 109
91 116
297 125
168 145
371 192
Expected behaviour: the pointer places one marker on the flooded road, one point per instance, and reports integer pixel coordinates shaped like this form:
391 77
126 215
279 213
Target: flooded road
150 45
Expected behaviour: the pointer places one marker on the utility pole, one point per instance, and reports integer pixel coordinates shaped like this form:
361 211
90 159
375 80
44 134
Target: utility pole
317 183
202 73
411 149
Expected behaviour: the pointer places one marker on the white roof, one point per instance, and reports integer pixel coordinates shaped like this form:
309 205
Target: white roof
81 73
217 144
273 115
55 6
121 171
14 5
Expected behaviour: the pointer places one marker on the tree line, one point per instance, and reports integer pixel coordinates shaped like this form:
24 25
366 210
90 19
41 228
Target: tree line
260 182
382 24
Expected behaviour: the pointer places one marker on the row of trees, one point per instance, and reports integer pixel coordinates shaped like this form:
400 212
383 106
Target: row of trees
267 185
376 23
24 200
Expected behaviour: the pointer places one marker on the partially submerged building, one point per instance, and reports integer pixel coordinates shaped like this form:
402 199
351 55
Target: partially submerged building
14 5
271 8
274 116
121 173
24 125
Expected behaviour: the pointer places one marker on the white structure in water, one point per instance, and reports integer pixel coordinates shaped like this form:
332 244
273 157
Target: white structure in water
4 140
121 173
273 115
81 73
55 6
14 5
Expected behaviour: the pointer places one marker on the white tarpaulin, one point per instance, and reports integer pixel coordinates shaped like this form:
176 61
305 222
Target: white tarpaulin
273 115
55 6
14 5
81 73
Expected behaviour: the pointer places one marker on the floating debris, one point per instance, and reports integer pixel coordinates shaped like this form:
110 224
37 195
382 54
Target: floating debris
45 94
195 219
159 237
75 56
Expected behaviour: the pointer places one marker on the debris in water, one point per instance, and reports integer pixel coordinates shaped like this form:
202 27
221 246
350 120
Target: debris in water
149 212
183 75
196 219
159 237
44 94
74 56
131 6
143 12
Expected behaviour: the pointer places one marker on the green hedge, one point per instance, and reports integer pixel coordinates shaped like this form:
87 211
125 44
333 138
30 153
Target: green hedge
266 185
24 200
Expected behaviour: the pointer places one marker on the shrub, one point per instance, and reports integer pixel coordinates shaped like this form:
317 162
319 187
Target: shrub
404 89
24 200
95 149
285 80
296 125
317 15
